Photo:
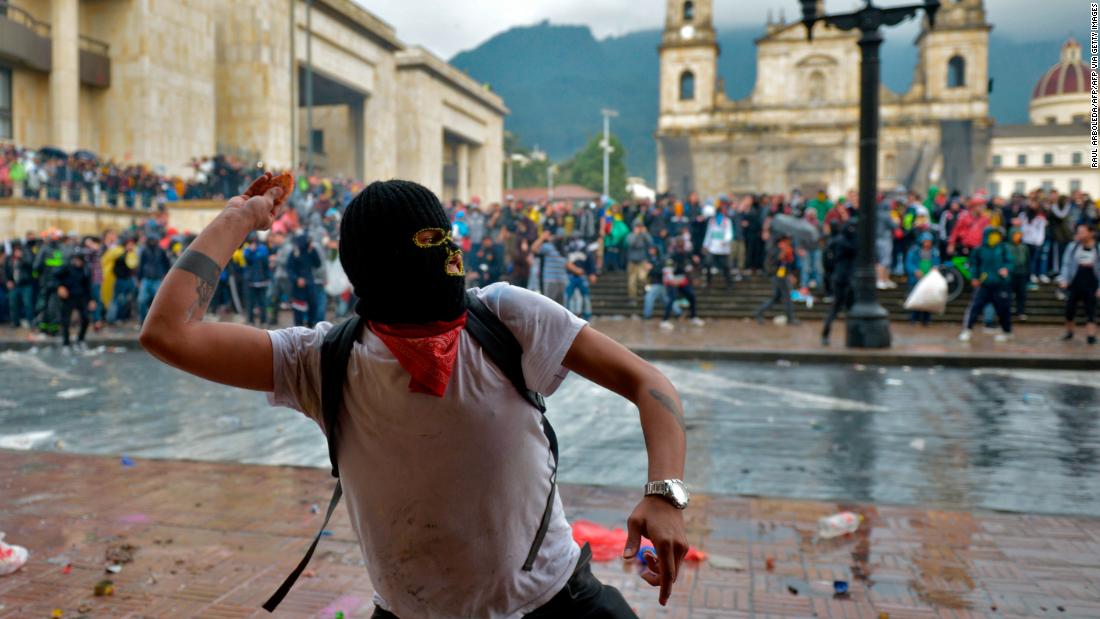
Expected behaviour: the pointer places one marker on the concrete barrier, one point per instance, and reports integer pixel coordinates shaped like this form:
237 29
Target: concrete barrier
21 215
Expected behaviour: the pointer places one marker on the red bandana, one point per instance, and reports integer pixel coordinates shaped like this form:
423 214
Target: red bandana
426 351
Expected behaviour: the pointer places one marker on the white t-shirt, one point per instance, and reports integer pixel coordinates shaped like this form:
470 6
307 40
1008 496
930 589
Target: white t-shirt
1086 257
446 494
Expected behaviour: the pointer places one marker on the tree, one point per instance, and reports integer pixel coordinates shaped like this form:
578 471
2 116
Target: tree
528 173
586 168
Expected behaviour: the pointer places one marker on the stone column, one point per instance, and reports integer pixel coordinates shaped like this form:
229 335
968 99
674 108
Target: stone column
357 127
477 184
65 74
463 165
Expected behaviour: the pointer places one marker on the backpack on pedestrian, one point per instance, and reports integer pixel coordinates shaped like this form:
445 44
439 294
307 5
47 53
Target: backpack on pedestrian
499 345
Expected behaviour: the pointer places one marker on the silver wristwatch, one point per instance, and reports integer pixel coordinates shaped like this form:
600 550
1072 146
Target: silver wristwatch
671 489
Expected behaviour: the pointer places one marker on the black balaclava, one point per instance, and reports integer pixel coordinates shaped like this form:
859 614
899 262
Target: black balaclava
397 279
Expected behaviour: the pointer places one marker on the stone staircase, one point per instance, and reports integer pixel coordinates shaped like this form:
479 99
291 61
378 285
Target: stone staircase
609 298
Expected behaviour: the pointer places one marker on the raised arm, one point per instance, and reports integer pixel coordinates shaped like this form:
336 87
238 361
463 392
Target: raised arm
174 331
609 364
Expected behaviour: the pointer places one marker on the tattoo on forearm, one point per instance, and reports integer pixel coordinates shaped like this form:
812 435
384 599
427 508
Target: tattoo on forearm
207 272
669 405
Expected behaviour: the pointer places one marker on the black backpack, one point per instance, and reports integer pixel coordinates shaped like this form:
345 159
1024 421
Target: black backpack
499 345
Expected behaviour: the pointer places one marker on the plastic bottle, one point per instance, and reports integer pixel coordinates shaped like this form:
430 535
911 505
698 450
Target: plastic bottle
838 524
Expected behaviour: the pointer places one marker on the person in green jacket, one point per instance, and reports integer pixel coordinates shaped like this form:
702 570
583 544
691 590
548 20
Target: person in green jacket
1021 271
614 243
991 269
17 173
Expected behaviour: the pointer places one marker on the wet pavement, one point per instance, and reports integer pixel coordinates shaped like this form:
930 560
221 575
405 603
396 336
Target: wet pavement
213 540
1037 346
936 438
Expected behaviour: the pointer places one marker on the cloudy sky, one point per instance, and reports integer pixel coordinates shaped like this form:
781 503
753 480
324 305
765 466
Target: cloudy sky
450 26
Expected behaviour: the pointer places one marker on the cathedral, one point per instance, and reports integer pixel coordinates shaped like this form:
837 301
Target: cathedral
799 128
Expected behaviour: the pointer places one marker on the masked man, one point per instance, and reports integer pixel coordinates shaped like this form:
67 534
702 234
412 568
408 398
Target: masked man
443 463
991 268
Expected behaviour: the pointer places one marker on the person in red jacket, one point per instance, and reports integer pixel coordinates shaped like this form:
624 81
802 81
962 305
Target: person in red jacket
967 234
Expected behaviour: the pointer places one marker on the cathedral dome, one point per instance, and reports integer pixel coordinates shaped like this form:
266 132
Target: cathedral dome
1069 76
1062 94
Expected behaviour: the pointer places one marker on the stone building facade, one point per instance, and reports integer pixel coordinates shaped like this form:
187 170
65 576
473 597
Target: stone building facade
799 128
162 81
1053 150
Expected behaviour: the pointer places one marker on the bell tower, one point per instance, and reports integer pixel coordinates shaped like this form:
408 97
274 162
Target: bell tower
954 56
689 57
953 76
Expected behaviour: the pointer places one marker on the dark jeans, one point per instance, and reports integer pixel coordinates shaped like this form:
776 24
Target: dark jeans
674 294
583 597
256 303
67 307
1056 248
123 301
843 298
781 292
21 303
318 304
755 259
998 296
1081 291
1035 259
721 262
278 292
1020 282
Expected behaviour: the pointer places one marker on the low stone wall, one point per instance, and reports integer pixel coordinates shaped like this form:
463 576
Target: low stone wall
21 215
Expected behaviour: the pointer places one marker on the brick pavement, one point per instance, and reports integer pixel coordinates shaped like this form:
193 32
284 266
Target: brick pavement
214 539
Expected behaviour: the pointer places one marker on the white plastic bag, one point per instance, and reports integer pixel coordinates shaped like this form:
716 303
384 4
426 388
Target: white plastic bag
929 295
11 557
838 524
336 281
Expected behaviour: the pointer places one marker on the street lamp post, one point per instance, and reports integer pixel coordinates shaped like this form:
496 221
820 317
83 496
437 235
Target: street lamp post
608 114
309 87
868 322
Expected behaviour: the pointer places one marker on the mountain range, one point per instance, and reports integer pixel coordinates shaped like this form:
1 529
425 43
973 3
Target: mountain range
556 79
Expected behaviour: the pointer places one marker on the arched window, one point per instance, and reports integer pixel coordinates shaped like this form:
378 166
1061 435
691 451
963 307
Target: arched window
817 86
687 86
689 11
956 72
742 171
890 167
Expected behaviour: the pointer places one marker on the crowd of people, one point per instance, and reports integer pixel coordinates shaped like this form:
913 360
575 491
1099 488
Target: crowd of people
666 248
81 176
54 280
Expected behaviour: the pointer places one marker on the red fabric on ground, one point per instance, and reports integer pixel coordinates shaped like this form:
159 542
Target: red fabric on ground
608 544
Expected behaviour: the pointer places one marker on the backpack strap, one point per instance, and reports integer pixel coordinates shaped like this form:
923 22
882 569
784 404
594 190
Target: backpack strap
505 352
335 353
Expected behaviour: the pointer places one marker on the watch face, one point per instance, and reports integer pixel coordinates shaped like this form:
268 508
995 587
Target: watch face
687 31
679 494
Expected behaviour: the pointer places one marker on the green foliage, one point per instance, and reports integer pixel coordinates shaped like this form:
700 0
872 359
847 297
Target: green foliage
529 174
586 168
